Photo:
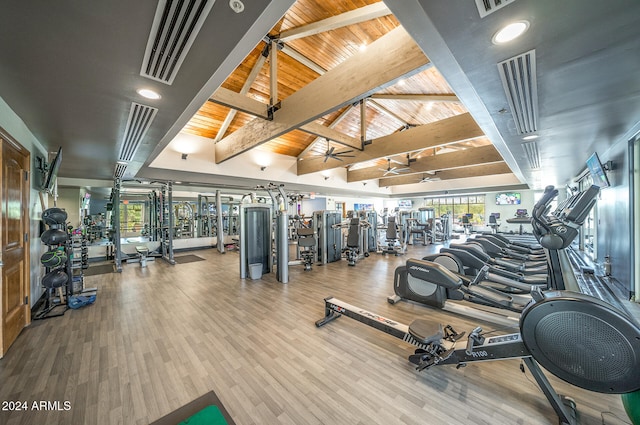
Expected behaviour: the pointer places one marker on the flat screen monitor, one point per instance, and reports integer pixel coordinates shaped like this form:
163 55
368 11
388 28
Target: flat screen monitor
404 203
496 215
469 215
596 169
52 172
508 198
520 212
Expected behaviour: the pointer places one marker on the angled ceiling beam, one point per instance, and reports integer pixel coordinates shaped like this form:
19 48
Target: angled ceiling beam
457 173
444 132
362 14
462 158
393 56
332 125
331 134
255 71
387 112
240 102
294 54
418 97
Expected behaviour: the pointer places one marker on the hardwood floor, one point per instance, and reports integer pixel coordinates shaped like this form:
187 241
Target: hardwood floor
161 336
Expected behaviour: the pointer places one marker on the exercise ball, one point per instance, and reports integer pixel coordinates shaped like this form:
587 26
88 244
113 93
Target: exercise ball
53 258
55 279
54 216
53 237
631 403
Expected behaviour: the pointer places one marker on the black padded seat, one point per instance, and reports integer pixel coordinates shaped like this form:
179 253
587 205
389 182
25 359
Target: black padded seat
425 331
353 237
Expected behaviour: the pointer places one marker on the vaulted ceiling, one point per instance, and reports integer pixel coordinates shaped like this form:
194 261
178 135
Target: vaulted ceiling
343 85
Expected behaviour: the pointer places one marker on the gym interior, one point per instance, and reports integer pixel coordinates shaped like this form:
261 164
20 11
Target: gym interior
194 192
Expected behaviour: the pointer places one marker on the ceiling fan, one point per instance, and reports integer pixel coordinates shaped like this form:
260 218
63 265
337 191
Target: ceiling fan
393 170
430 177
331 153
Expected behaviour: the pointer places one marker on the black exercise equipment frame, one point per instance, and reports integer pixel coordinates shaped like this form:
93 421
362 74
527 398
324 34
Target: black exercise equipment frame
434 352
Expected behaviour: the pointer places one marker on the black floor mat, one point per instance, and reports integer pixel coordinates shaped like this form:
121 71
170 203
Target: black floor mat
190 258
99 269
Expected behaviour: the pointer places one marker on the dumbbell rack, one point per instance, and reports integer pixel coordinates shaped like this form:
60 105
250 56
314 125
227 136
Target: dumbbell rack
78 260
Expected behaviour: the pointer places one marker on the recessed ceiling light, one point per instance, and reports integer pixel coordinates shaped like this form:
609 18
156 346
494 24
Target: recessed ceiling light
149 94
510 32
362 47
530 137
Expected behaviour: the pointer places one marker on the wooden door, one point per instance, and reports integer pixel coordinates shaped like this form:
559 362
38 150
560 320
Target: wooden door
14 231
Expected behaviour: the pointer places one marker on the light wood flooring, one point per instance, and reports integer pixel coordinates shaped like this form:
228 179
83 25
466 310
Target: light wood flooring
161 336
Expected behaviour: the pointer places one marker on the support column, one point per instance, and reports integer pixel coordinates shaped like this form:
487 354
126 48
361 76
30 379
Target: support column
220 232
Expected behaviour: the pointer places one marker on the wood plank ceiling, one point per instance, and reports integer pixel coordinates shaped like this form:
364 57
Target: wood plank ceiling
317 37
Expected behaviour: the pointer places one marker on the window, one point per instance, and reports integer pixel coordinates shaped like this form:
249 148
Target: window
458 206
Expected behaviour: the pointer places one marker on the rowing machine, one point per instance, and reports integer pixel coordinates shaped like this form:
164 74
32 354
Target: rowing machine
580 339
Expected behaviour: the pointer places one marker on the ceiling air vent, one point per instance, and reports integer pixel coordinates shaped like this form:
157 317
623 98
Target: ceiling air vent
518 76
486 7
119 171
140 119
533 155
174 29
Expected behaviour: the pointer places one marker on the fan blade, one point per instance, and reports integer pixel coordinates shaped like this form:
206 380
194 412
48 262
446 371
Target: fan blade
330 151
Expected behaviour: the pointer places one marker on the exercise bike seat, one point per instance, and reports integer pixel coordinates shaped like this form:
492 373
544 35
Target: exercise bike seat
425 331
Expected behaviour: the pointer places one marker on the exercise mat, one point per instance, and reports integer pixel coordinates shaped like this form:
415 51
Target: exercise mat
98 269
190 258
207 409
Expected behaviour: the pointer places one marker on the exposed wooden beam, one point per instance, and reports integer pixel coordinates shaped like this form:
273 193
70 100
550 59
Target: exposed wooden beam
418 97
387 112
240 102
362 14
332 125
457 173
440 133
255 71
393 56
462 158
294 54
363 119
331 134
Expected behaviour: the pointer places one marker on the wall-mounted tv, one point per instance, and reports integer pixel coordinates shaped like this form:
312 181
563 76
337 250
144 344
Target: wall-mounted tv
508 198
597 171
52 172
404 203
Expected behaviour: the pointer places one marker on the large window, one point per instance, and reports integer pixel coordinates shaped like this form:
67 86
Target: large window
458 206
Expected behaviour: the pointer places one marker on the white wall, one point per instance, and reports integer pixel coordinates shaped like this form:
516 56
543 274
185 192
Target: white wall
311 205
16 128
281 168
